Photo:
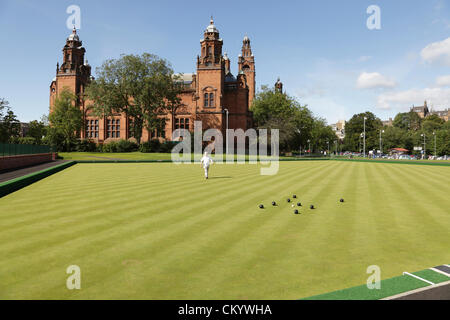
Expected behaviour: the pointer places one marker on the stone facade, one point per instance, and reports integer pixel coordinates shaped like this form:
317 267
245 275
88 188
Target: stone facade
423 112
210 95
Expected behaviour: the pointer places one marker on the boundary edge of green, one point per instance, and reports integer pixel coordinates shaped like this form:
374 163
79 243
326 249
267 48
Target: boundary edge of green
13 185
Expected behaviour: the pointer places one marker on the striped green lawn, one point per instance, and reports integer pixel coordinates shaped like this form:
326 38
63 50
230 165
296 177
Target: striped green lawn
160 231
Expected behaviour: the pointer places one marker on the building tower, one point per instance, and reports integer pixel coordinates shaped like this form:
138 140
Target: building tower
279 86
74 73
210 70
246 64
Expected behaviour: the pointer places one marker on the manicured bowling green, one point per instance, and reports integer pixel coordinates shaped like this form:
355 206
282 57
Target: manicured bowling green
161 231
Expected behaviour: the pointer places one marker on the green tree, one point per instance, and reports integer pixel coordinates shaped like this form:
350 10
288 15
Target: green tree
37 130
394 137
141 86
275 110
432 123
66 121
9 124
442 142
407 121
322 136
355 127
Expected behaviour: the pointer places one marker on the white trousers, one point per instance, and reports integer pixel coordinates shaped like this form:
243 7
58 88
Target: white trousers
206 171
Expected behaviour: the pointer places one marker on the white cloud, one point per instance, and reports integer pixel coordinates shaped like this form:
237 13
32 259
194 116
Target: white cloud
403 100
437 52
443 81
373 80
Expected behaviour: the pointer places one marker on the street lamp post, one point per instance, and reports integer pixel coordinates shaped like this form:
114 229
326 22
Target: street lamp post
328 147
309 146
360 136
381 147
424 146
364 141
335 142
434 134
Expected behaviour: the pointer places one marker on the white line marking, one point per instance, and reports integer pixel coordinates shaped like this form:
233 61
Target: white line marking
414 276
417 290
441 272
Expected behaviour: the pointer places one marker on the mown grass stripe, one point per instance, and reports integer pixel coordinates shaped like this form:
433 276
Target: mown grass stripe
215 247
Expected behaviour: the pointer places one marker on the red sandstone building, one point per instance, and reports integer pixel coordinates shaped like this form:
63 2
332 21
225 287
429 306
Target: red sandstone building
207 96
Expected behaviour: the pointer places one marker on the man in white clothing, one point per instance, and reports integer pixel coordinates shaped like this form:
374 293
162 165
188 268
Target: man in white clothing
206 161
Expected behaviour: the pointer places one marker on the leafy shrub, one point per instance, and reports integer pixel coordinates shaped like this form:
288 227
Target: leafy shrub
110 147
167 146
25 140
120 146
86 146
126 146
150 146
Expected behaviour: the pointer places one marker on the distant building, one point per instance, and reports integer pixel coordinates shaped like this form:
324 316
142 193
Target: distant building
398 151
443 114
387 123
424 112
339 129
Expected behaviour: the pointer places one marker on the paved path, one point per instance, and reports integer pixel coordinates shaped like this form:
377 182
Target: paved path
5 176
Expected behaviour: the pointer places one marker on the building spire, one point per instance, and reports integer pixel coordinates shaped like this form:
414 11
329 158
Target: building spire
73 36
211 27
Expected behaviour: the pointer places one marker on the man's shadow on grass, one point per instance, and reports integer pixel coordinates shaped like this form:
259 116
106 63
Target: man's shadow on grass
220 177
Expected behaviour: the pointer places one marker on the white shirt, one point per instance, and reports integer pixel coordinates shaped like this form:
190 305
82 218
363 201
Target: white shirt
206 161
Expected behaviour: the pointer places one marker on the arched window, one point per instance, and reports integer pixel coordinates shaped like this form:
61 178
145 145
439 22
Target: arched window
211 99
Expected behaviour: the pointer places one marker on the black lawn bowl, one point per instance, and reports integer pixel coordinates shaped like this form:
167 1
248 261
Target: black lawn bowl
342 200
274 203
261 206
294 196
296 211
311 207
299 204
288 200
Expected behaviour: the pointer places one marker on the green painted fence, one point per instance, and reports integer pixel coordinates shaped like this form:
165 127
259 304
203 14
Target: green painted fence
7 149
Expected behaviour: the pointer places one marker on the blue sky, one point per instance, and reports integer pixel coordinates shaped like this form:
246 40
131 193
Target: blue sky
322 50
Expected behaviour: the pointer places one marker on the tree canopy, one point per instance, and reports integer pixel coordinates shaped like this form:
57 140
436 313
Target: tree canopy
66 121
273 109
354 130
141 86
9 124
